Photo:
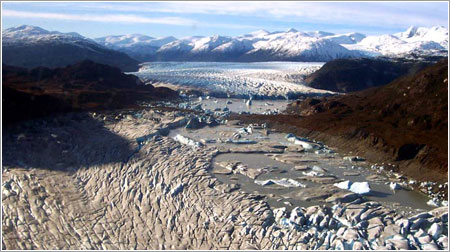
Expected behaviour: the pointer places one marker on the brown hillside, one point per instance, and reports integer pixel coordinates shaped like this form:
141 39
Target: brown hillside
404 122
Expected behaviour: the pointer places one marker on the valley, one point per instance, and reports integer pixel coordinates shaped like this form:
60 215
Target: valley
186 126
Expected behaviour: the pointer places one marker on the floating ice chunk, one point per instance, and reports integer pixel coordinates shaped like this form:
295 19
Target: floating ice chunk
356 187
187 141
312 174
249 129
305 143
433 203
282 182
289 183
360 187
344 184
264 182
200 99
395 186
318 169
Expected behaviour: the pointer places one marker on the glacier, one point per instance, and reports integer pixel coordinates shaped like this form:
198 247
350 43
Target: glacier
224 79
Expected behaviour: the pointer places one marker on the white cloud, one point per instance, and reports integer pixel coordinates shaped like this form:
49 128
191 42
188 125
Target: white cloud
121 18
394 14
114 18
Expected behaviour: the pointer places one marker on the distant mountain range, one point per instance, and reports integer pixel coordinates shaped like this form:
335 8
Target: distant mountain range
289 45
30 46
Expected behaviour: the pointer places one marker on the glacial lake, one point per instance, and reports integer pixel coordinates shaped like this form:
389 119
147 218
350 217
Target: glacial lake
404 200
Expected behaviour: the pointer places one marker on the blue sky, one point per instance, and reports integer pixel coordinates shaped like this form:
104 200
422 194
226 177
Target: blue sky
180 19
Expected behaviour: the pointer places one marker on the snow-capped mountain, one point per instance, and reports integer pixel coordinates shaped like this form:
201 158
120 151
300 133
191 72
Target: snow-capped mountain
261 45
31 46
119 41
137 46
417 40
31 33
344 39
436 34
292 44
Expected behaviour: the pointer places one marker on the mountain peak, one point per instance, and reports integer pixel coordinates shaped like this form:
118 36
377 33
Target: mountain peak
26 29
411 31
291 30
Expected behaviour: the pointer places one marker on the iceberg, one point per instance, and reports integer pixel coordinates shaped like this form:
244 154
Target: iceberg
282 182
356 187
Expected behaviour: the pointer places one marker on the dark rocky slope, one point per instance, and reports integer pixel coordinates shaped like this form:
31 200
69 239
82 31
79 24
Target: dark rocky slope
348 75
80 87
404 123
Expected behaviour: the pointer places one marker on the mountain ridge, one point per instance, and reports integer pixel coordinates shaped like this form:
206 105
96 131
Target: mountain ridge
126 51
31 46
262 45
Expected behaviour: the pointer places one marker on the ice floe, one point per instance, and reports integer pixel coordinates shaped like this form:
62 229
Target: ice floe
282 182
356 187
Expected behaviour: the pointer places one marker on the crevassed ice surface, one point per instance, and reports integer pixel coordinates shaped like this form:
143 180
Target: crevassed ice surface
270 79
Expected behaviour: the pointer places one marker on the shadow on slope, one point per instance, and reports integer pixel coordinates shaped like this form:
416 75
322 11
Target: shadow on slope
66 143
85 86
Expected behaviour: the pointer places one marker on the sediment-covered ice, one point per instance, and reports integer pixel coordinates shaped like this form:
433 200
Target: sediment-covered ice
187 141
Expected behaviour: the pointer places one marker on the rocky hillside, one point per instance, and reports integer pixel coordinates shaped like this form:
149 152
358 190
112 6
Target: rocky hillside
403 123
348 75
83 86
30 46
